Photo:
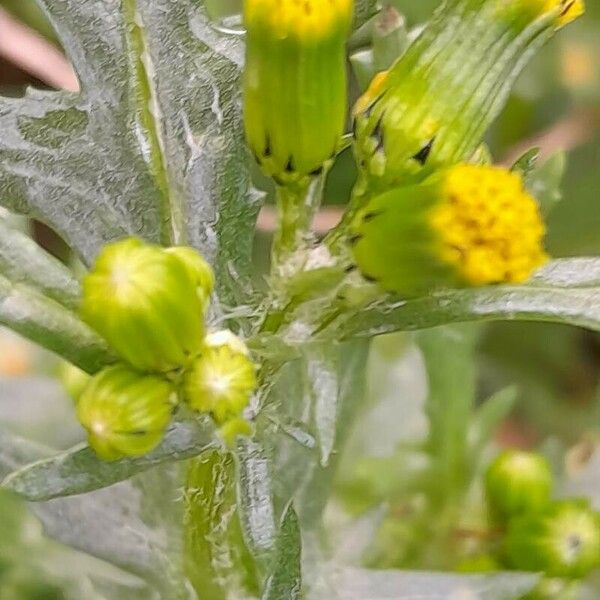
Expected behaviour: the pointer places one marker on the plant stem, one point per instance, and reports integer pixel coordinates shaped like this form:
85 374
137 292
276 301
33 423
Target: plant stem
297 204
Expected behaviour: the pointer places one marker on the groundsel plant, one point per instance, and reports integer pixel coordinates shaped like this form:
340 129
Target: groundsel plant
216 408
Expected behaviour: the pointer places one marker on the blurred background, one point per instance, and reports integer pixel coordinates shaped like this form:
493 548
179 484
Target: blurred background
556 369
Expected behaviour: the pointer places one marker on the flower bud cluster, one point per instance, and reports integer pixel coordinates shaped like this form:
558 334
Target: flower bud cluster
558 538
149 304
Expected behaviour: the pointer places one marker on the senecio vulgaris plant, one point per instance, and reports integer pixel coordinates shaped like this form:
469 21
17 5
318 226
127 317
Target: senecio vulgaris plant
217 411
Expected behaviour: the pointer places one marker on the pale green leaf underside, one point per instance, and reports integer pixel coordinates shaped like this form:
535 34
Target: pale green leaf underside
23 261
51 325
363 584
79 470
38 299
565 291
146 149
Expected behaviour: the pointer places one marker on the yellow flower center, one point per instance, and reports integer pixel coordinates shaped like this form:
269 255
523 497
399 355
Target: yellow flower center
490 227
305 18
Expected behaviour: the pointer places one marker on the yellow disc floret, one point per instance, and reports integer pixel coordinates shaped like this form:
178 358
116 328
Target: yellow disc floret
490 227
303 18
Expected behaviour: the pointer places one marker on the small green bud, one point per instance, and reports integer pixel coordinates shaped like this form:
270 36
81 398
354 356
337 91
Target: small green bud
144 302
73 379
561 541
295 87
518 482
199 270
124 412
222 379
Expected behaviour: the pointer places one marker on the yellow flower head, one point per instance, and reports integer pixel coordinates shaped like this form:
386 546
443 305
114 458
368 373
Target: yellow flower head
470 225
490 227
303 18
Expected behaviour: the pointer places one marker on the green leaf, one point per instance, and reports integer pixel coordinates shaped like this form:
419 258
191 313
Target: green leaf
79 470
363 584
449 359
51 325
100 523
217 562
565 291
204 146
489 416
255 498
526 163
363 11
23 261
16 452
145 149
285 581
38 295
545 181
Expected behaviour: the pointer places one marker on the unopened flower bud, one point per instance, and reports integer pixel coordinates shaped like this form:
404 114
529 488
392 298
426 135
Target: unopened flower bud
73 379
143 300
432 108
561 541
222 379
517 483
199 270
469 225
124 412
295 83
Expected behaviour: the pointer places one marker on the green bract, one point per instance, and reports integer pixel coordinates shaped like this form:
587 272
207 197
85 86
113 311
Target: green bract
562 541
124 412
518 482
295 83
143 300
433 106
199 270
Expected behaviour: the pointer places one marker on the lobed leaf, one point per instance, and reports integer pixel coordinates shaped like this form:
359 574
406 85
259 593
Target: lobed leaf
79 470
144 149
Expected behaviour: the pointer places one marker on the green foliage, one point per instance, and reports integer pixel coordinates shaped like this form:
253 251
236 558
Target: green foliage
153 147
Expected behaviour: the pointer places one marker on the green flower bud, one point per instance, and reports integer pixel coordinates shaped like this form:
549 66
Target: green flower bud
124 412
518 482
295 82
562 541
222 379
432 108
469 225
199 270
144 302
73 379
